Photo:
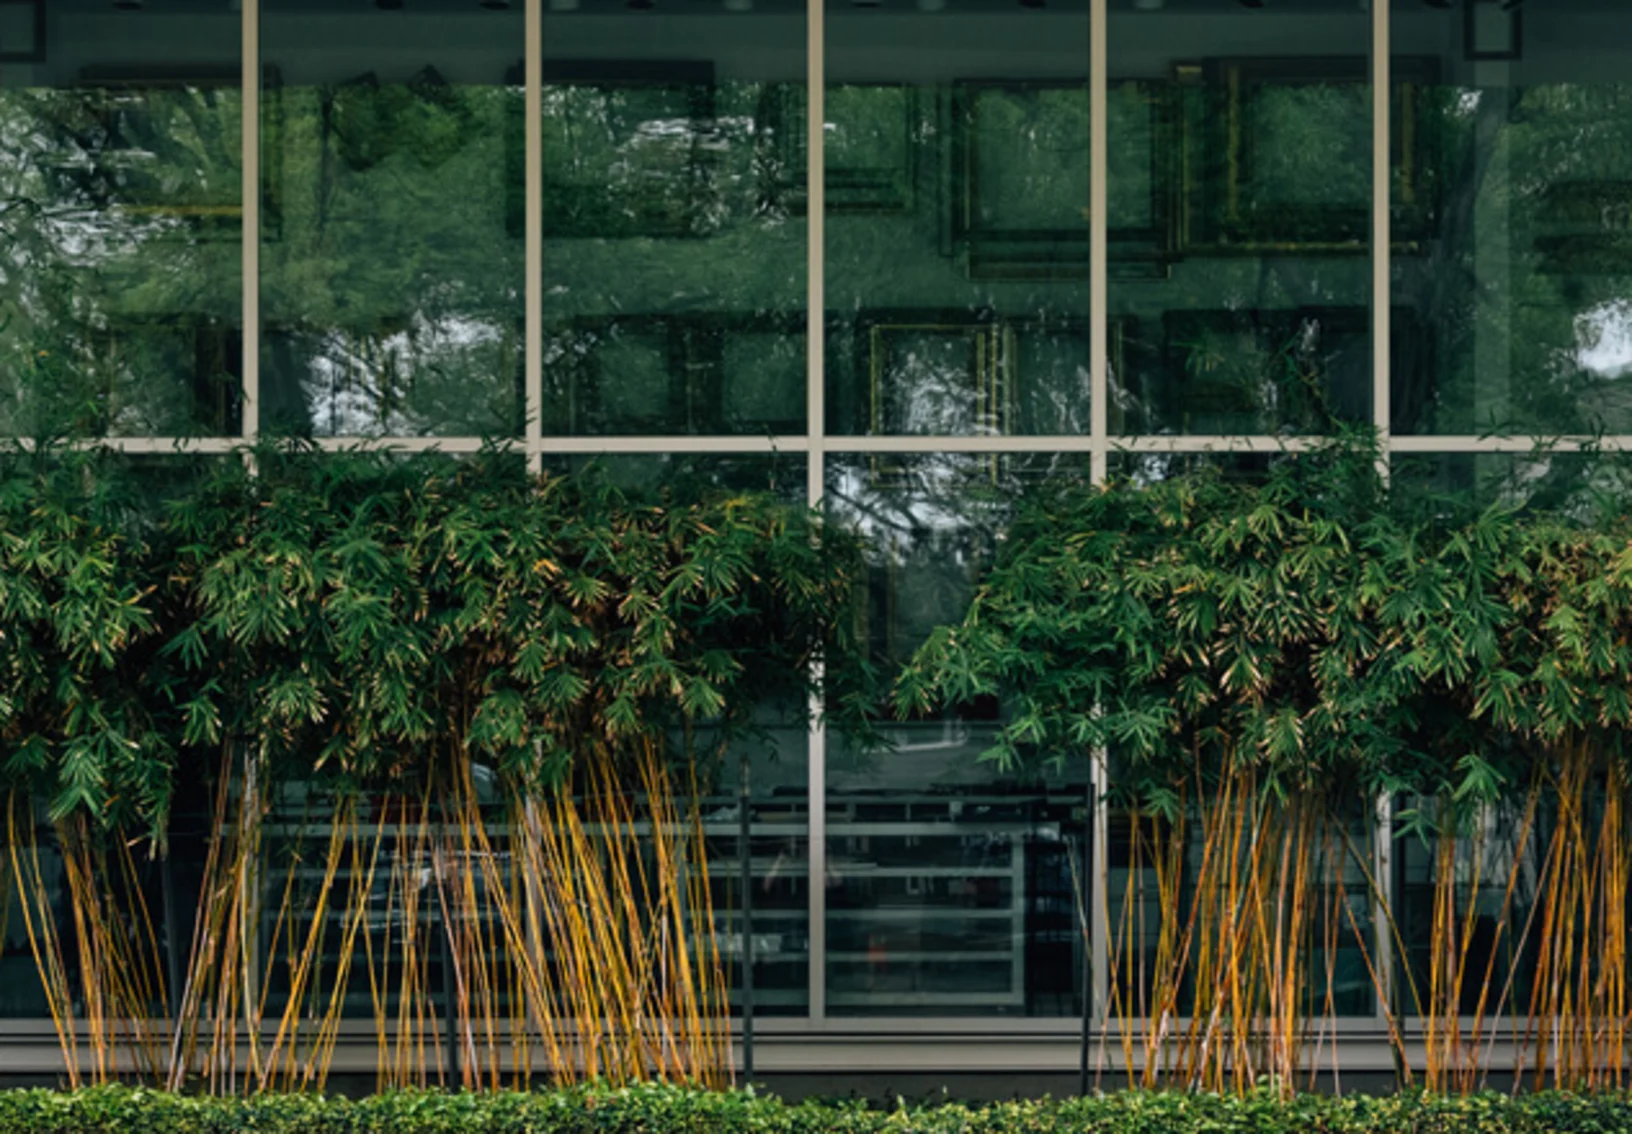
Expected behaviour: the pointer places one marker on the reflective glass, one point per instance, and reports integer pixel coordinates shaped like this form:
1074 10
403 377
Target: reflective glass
688 475
1148 468
1152 957
1584 485
121 198
957 224
22 993
1493 870
391 274
674 234
953 889
1239 184
774 861
1512 219
39 918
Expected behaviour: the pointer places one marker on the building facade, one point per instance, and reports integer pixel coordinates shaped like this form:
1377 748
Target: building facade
893 256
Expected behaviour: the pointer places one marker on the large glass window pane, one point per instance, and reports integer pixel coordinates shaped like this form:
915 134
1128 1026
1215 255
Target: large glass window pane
391 268
1512 219
674 230
1239 172
953 889
957 223
120 193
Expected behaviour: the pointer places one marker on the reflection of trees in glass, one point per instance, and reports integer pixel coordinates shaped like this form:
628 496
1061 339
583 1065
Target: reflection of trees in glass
674 261
119 279
1586 485
1527 277
1310 145
1260 372
1030 157
392 290
931 525
627 158
1257 320
1132 138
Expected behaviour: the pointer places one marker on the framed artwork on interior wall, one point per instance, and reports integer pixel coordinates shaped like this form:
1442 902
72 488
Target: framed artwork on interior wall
650 121
1045 366
872 140
930 372
22 31
1020 192
1274 155
756 368
130 112
681 374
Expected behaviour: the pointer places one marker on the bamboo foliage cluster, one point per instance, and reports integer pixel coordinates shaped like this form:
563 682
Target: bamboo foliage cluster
429 738
1261 663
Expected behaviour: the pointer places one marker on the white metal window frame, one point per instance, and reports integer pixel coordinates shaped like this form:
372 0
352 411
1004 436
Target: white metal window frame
816 444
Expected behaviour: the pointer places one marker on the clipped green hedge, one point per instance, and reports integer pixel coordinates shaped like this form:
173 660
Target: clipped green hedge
656 1109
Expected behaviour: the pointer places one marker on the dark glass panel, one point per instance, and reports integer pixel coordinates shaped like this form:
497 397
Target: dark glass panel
954 889
1513 233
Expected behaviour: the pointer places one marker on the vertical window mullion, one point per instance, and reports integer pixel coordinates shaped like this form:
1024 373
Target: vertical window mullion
533 235
1098 393
250 207
1381 358
815 471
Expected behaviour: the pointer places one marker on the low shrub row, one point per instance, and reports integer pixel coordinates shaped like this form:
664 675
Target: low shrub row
656 1109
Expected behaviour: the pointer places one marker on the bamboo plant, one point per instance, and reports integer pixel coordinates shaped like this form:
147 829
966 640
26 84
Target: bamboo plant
425 734
1261 664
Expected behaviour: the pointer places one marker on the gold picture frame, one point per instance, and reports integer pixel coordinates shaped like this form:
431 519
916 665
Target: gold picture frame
977 374
1227 154
975 392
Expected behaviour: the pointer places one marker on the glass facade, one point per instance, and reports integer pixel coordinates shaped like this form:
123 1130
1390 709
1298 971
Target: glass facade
1117 236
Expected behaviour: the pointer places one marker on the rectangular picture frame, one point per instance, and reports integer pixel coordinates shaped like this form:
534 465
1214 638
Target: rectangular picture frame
885 185
1139 233
1217 153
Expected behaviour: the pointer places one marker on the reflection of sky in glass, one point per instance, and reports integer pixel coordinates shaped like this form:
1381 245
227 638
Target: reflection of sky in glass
1604 339
345 387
